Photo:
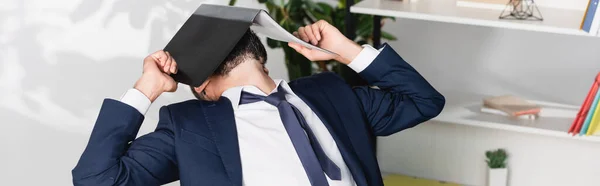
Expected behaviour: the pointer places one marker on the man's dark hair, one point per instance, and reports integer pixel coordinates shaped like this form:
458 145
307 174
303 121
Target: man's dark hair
248 47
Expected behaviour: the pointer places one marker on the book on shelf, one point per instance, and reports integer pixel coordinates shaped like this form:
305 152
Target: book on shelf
488 110
583 111
590 114
512 105
591 130
588 118
591 19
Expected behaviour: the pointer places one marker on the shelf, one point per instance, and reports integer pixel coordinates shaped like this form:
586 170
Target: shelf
559 21
555 119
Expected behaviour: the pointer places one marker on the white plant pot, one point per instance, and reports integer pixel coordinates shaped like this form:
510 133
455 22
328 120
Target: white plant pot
497 177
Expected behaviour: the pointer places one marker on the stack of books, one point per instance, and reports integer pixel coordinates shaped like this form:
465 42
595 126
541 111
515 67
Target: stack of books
591 18
588 117
511 106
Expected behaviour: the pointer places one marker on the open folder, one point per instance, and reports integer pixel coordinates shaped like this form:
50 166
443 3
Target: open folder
265 25
209 35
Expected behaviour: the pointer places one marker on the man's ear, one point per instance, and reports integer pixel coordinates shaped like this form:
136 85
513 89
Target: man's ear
201 87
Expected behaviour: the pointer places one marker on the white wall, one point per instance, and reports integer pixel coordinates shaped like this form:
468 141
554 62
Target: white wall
492 61
59 60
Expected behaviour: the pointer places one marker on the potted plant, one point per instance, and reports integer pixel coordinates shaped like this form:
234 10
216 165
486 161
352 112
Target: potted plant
497 172
293 14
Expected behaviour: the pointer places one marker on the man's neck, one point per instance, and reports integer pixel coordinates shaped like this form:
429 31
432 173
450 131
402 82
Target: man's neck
261 81
252 76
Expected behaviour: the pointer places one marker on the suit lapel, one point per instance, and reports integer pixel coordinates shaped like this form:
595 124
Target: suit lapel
322 106
221 120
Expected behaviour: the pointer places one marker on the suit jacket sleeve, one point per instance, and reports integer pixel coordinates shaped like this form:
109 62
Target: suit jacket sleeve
403 98
114 157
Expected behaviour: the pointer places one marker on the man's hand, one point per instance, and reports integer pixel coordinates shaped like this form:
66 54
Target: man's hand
155 77
326 36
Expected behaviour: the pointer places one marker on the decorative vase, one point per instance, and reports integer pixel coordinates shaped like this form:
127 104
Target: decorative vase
497 177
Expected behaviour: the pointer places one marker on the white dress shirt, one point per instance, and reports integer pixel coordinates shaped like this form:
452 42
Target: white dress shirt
266 151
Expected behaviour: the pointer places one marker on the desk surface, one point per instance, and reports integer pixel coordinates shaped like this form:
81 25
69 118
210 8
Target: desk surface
560 21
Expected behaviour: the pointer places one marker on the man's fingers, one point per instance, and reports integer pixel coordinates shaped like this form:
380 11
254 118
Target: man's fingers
302 34
167 66
316 31
293 45
160 57
301 49
174 67
172 64
311 35
321 24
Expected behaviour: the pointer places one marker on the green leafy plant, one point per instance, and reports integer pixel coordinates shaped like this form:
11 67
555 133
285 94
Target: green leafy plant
496 158
292 14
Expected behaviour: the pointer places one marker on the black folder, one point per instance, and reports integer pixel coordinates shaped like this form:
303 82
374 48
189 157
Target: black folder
207 37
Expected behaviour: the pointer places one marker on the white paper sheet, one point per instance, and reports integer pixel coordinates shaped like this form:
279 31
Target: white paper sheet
265 25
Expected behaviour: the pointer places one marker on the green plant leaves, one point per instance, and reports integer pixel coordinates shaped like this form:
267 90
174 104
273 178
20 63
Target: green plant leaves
267 1
325 8
338 15
496 158
271 7
295 6
311 5
273 43
297 65
388 36
365 28
319 11
320 16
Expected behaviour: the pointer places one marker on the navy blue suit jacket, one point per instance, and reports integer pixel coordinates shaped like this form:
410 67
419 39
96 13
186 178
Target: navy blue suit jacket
196 141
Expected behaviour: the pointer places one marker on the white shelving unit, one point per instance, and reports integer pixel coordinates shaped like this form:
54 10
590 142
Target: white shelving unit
556 118
560 21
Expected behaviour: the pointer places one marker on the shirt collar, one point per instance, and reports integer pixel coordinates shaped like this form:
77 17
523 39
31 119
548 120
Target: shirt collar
234 93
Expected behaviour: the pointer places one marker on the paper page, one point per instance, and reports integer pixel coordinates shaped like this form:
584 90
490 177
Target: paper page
265 25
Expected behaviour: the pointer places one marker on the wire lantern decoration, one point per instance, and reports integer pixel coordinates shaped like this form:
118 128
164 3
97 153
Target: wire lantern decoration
521 10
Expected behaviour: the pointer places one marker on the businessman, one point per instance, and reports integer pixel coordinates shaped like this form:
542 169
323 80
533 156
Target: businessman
248 129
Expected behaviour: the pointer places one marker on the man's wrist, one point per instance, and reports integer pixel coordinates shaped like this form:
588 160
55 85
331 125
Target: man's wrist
366 56
349 52
150 88
137 100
